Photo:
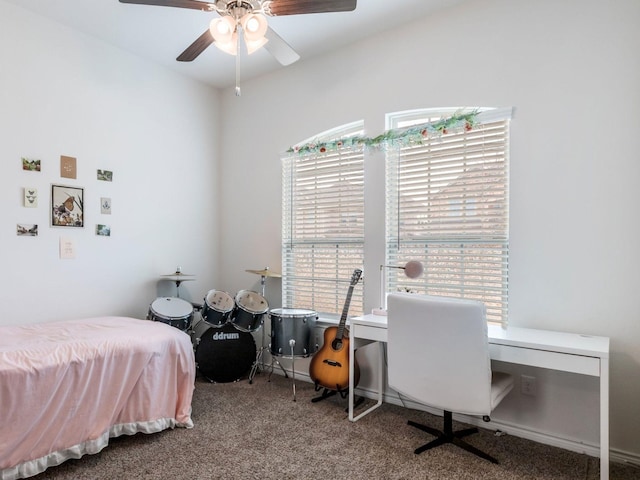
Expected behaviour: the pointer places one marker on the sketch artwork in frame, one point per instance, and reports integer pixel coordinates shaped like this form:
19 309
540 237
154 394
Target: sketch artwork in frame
67 206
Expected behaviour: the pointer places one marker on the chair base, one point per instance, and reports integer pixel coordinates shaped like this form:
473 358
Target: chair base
449 436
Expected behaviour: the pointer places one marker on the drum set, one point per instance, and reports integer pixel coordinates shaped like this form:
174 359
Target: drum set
222 334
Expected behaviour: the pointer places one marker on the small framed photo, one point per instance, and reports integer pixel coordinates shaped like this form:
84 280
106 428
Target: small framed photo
68 167
27 230
31 164
30 197
105 175
103 230
105 205
67 206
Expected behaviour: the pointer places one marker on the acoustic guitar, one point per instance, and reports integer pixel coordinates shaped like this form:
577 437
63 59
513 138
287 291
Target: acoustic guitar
329 367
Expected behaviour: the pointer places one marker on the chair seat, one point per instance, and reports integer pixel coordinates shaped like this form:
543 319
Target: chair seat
501 385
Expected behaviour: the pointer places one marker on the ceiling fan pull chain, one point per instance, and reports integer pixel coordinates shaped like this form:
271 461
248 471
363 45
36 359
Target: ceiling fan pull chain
238 92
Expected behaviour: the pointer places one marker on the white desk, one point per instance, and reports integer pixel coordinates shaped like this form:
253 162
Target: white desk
568 352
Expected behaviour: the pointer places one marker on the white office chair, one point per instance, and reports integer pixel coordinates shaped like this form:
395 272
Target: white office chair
438 354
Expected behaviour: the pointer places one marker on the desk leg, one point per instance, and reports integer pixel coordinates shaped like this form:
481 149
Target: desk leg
604 419
380 382
352 353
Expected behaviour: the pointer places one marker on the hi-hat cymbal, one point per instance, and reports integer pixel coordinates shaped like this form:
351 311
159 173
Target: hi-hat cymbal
265 273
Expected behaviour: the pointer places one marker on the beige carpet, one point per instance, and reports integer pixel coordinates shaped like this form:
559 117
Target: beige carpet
256 431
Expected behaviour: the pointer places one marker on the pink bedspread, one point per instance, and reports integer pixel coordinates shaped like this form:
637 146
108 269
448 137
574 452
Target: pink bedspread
67 387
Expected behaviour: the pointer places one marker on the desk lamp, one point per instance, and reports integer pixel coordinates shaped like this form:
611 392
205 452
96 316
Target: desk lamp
412 269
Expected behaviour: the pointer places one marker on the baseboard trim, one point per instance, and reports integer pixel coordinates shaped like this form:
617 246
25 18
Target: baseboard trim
545 438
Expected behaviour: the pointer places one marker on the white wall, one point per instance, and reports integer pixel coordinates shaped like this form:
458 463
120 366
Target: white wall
569 68
64 93
571 71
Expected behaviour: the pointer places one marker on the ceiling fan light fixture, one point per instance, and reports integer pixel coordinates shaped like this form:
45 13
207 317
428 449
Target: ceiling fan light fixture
222 29
254 26
230 47
254 45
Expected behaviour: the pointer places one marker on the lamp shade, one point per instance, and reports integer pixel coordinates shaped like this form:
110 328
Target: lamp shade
222 29
413 269
254 45
254 26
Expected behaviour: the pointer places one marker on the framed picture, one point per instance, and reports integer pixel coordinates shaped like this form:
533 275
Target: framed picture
31 164
30 197
105 205
105 175
67 206
27 230
68 167
103 230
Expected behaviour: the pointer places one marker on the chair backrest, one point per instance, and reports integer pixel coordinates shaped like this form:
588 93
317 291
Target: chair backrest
438 352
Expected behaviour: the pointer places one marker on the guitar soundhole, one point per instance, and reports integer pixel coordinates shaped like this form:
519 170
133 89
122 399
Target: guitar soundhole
336 344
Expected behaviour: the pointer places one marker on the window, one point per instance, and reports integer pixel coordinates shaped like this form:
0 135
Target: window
448 207
323 224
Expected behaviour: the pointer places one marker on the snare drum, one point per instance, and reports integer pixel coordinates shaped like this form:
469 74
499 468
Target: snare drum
217 307
223 354
250 307
173 311
292 332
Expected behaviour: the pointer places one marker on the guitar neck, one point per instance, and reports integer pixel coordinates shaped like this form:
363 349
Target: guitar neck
345 310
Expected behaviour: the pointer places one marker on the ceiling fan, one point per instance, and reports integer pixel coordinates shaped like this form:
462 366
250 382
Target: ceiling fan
245 19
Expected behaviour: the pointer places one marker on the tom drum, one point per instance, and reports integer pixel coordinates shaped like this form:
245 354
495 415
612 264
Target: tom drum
171 310
217 307
250 308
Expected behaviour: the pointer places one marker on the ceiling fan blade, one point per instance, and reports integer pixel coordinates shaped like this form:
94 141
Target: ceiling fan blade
192 4
196 48
280 49
297 7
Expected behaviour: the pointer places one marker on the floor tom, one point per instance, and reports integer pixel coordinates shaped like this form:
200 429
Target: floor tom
292 332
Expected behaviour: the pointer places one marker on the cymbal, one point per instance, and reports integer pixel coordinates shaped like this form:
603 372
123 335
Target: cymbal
265 273
178 277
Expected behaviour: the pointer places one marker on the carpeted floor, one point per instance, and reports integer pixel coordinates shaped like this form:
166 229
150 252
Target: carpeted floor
256 431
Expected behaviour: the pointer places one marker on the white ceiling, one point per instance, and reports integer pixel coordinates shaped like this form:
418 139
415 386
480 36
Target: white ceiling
160 34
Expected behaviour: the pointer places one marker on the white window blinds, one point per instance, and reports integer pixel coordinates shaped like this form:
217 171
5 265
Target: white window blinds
448 207
323 227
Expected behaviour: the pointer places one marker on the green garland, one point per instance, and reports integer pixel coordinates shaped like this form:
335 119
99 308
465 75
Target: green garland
398 137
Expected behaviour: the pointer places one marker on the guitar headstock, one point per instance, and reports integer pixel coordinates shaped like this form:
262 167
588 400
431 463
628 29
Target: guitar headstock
355 277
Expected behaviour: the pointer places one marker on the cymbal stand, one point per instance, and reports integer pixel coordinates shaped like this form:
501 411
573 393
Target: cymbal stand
259 355
259 361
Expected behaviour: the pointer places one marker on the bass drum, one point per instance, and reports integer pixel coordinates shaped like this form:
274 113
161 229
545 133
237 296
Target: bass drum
223 354
250 308
217 307
292 332
171 310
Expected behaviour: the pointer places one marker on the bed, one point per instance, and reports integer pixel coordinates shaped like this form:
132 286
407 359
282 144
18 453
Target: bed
67 387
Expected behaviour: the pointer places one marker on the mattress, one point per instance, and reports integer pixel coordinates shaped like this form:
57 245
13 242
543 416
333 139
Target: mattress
67 387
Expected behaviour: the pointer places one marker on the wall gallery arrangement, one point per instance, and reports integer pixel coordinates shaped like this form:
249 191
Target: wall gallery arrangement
67 207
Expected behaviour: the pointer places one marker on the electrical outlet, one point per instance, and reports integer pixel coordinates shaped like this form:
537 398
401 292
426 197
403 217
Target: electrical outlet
528 385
